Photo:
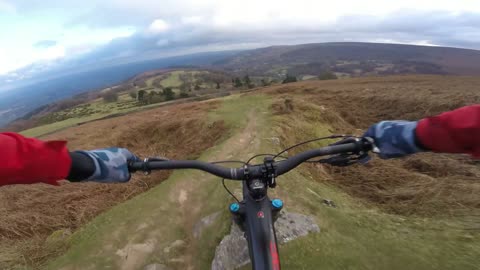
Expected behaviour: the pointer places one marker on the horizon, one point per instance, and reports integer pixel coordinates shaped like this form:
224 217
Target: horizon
62 36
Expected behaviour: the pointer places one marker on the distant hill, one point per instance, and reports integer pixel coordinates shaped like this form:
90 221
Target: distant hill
307 61
354 59
18 100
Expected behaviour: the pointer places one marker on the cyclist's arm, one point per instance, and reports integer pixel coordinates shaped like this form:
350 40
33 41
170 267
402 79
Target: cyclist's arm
27 160
456 131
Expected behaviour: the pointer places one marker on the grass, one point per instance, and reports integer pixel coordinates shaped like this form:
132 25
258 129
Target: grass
45 129
173 79
97 109
357 236
354 235
75 120
235 107
90 112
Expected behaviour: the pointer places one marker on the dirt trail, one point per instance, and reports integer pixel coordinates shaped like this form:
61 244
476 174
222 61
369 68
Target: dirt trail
186 196
235 146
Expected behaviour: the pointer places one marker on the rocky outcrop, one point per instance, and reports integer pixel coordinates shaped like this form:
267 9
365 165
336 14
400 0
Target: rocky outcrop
232 252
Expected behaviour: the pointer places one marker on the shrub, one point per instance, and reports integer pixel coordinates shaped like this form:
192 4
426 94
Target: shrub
289 79
327 75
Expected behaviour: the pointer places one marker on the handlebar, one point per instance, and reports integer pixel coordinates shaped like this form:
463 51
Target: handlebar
220 171
253 171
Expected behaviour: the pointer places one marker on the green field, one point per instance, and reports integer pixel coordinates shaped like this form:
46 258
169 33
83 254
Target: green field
354 235
97 109
82 113
171 79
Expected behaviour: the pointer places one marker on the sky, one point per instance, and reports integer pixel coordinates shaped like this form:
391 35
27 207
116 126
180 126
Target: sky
40 35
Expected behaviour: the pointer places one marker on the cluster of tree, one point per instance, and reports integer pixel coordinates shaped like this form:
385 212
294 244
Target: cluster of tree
241 82
157 83
327 75
215 78
289 79
405 66
188 82
350 68
266 82
310 68
151 97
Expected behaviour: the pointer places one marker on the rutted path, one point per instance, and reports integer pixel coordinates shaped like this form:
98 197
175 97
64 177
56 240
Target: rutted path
185 190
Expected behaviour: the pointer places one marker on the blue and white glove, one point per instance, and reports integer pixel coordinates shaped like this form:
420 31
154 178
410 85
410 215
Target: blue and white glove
111 164
394 138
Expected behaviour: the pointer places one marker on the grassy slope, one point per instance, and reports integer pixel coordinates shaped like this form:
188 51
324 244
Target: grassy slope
172 79
105 110
353 236
45 129
98 109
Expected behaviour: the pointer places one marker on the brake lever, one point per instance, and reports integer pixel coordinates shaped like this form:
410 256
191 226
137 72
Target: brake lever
360 157
364 159
146 170
375 149
338 160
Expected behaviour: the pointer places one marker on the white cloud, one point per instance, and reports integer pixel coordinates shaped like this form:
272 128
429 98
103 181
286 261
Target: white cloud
204 25
51 53
158 26
15 54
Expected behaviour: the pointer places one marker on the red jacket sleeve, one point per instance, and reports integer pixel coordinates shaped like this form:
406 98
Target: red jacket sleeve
456 131
27 160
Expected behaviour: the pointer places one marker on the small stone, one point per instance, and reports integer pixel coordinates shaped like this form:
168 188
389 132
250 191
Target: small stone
204 223
175 244
329 203
177 260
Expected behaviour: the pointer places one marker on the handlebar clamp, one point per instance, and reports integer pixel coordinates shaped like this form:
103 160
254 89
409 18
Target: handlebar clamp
269 171
146 170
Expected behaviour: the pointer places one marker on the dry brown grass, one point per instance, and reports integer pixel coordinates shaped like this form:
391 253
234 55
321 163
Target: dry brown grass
425 184
422 185
31 213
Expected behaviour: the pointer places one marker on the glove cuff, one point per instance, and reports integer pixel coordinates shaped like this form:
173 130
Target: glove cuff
410 136
98 172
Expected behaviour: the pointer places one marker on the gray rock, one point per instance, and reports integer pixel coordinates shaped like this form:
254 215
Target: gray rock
156 266
275 140
204 223
290 226
232 252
